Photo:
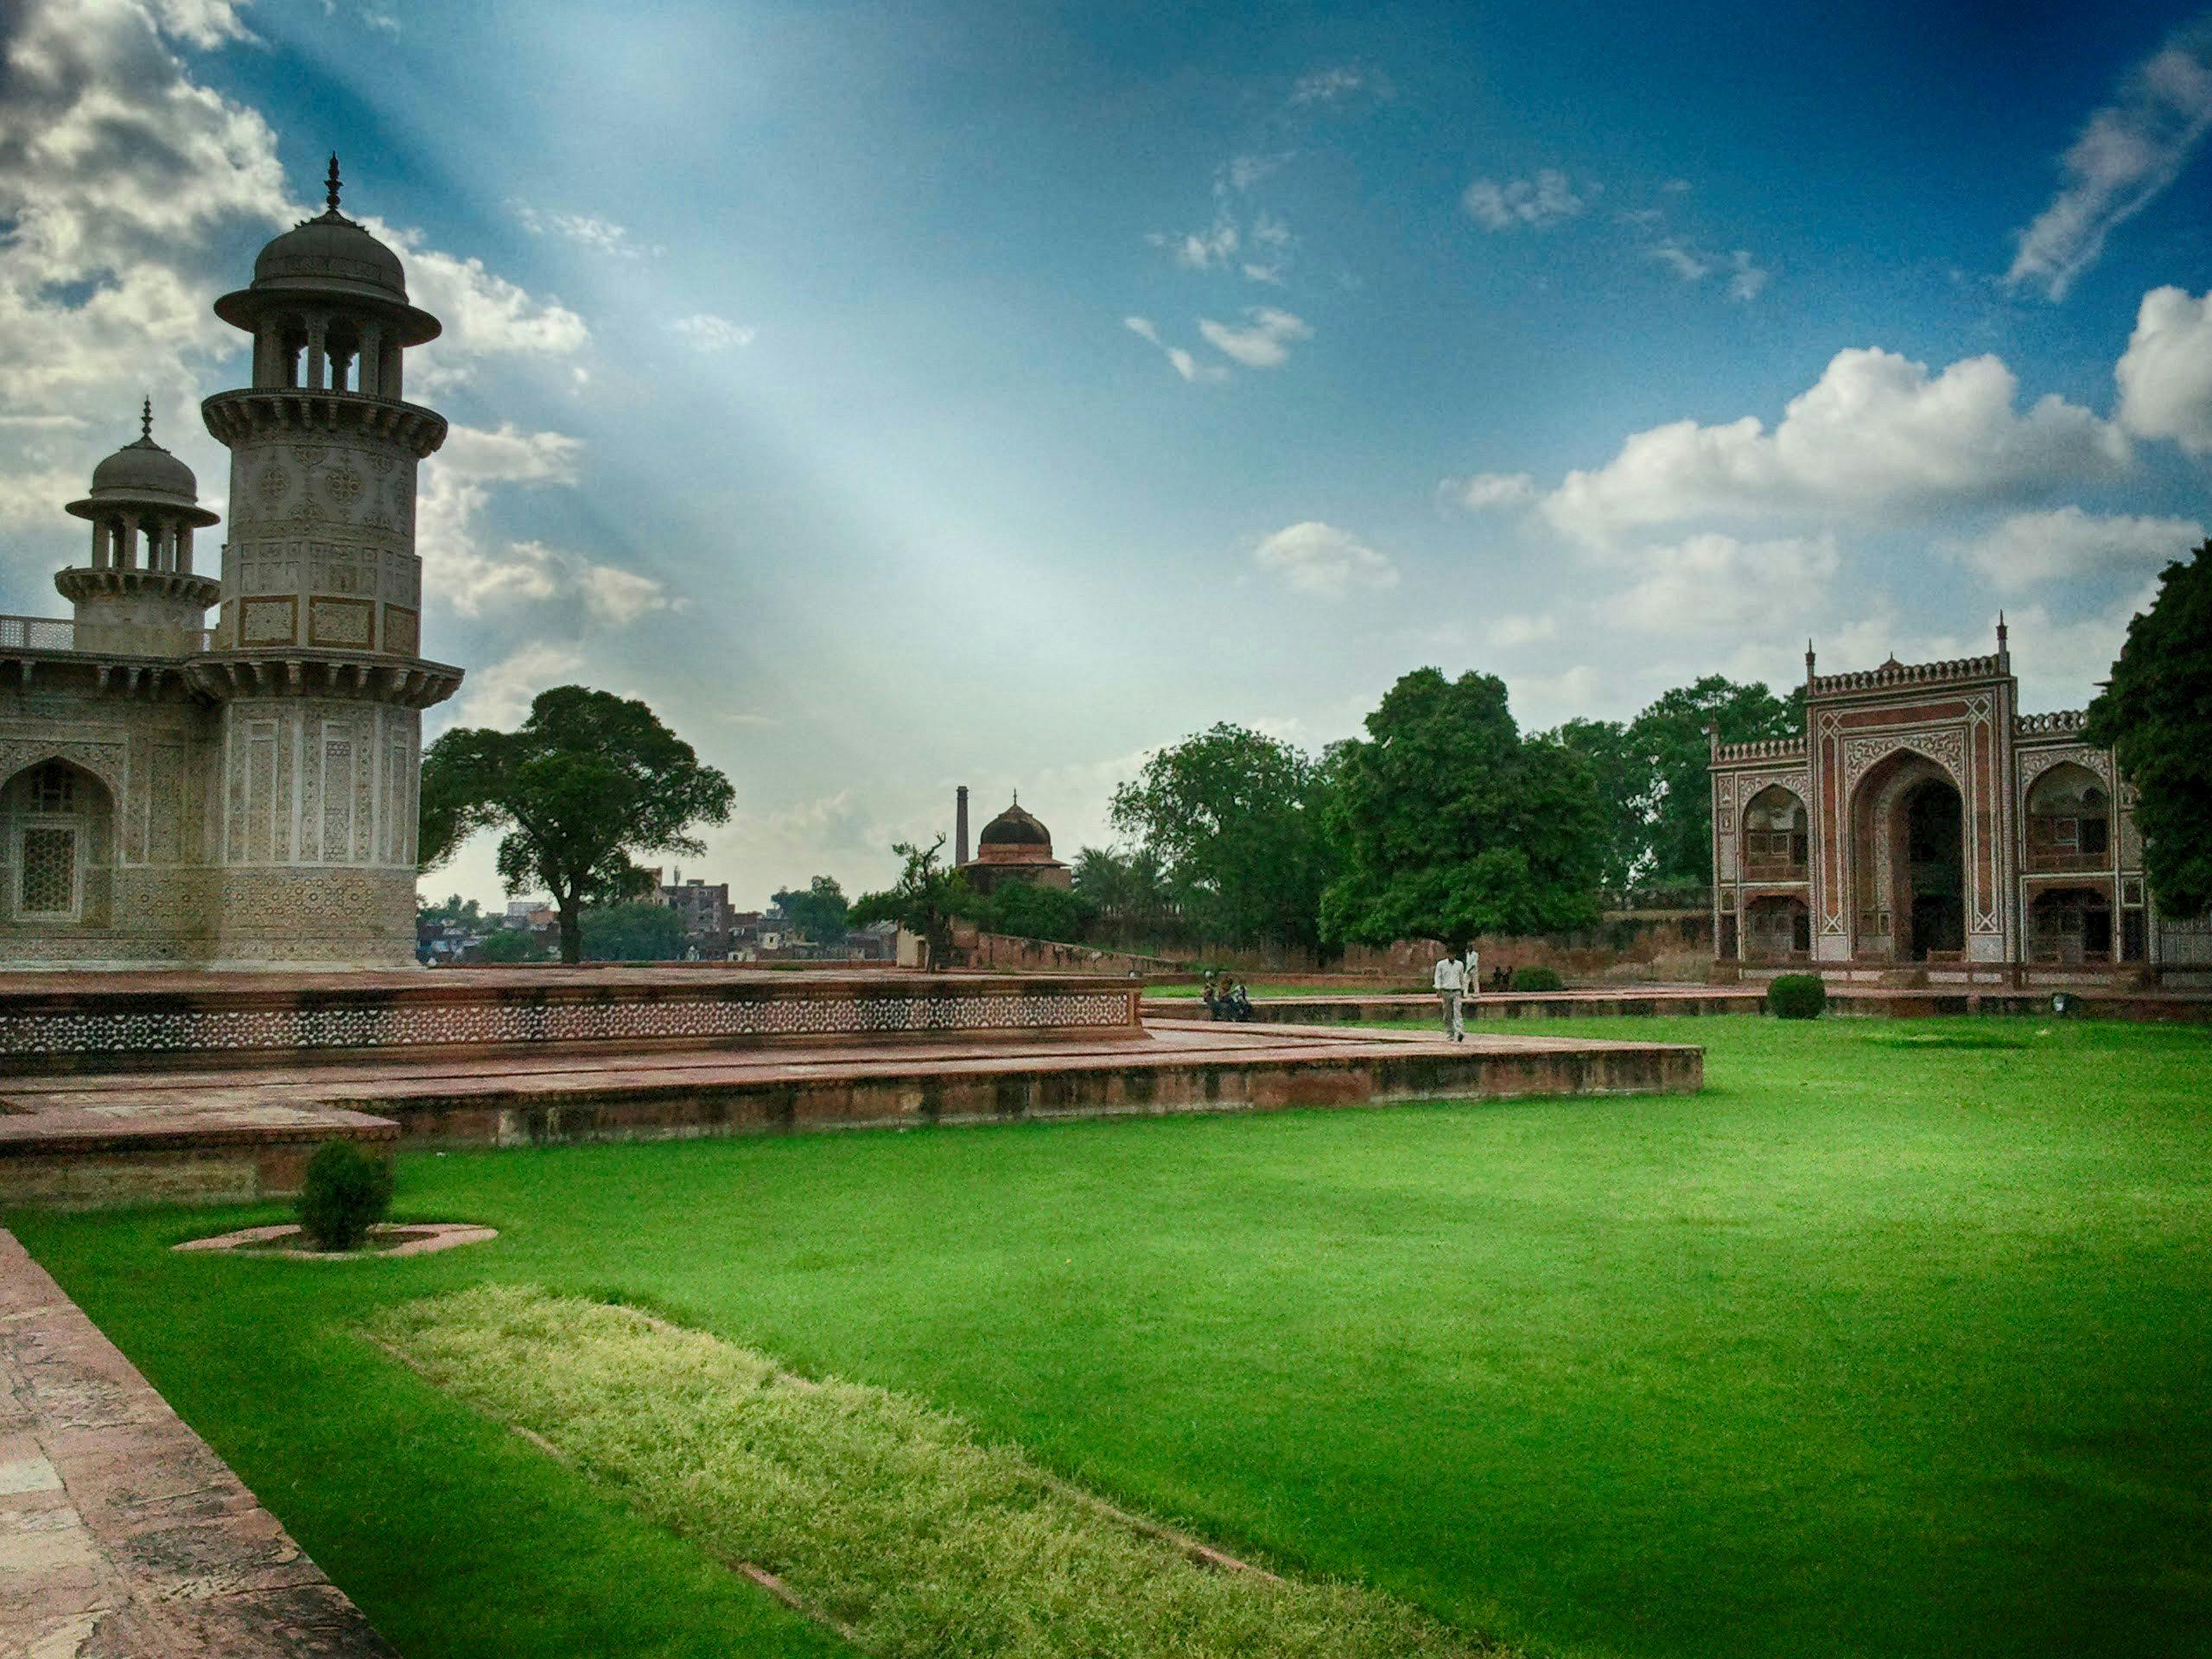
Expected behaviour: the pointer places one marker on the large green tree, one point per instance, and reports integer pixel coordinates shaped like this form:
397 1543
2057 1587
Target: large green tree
1128 891
928 895
1670 738
587 781
2156 715
1029 910
1622 775
640 930
1234 819
818 910
1455 825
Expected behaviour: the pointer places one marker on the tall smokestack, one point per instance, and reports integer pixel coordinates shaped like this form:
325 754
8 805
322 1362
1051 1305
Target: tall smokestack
960 827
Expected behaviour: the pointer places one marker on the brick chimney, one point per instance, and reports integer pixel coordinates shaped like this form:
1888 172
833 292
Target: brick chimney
960 827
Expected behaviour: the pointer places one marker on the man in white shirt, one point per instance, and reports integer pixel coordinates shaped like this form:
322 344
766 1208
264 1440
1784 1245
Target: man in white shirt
1451 980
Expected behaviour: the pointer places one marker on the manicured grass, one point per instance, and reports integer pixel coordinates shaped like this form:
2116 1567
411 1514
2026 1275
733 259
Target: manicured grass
1896 1340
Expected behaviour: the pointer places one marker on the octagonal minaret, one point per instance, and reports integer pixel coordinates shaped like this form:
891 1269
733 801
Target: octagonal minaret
135 595
315 657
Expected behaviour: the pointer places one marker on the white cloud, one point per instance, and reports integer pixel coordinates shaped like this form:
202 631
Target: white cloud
1507 633
501 695
1201 249
1181 360
1545 200
1320 559
2036 547
1711 583
2165 374
1328 85
2130 151
478 579
1263 342
1747 278
1875 439
1241 172
704 332
484 314
203 23
1492 491
585 231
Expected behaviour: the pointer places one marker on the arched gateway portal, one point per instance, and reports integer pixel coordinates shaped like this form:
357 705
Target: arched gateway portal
1909 861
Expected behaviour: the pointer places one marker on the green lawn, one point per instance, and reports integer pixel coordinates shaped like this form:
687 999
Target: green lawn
1897 1340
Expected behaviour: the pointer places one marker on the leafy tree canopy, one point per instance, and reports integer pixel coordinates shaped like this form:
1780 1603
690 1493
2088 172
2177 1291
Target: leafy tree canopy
818 910
587 781
1669 743
2156 715
511 944
1455 825
1234 821
640 932
1031 911
929 894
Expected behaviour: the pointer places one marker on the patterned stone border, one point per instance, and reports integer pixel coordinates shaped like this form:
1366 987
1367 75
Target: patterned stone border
425 1238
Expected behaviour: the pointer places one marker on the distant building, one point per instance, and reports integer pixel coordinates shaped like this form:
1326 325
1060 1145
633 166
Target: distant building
708 921
1013 847
1922 818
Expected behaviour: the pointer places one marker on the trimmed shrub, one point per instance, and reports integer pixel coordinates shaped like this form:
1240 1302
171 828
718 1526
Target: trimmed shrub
1538 979
347 1194
1796 996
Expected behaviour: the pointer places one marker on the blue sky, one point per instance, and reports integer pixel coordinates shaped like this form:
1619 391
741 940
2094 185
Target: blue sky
903 395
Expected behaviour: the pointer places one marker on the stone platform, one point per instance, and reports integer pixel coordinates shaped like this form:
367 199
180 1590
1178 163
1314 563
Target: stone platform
85 1137
121 1532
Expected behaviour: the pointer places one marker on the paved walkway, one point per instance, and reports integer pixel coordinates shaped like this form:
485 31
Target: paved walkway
121 1533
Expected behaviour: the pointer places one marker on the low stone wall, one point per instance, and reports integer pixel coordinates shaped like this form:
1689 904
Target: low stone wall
52 1023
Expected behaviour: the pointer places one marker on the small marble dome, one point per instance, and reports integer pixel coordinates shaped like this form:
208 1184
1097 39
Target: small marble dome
144 474
331 251
328 257
145 469
1015 828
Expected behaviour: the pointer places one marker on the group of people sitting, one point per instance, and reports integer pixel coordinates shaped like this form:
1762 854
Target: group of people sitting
1226 999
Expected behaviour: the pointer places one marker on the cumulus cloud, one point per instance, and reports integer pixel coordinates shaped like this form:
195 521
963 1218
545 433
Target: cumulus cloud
1492 491
478 575
500 695
126 189
1317 558
1745 279
1710 582
1264 340
2029 548
2129 153
1877 439
2165 374
1544 199
1201 249
1178 358
704 332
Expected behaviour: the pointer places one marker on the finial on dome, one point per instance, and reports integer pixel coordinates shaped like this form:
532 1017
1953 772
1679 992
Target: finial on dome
333 181
146 420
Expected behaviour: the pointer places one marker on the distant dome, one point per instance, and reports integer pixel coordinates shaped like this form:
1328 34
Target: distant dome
1014 828
144 468
331 251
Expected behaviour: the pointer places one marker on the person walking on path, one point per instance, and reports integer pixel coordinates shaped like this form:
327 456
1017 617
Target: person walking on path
1470 970
1450 986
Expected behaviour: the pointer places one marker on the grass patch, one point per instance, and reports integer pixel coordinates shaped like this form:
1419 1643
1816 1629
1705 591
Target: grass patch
1868 1349
891 1517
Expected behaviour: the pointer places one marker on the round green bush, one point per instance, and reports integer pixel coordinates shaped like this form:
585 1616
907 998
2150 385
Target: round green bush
347 1194
1537 979
1797 996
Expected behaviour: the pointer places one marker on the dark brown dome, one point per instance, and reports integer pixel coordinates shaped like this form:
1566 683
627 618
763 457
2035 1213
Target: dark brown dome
1014 828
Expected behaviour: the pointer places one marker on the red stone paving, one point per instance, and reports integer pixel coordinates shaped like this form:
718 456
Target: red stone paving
121 1532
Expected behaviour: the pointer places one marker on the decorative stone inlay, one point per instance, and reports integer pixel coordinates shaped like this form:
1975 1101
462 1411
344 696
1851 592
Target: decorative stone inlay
344 486
2033 763
274 480
383 1024
1945 746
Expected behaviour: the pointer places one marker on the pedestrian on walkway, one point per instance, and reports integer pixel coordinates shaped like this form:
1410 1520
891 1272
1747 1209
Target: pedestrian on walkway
1450 981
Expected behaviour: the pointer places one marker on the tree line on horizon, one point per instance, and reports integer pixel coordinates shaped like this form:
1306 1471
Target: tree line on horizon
1445 821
